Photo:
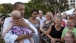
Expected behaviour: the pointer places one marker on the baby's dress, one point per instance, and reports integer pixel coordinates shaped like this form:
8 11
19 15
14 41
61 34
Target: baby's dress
19 30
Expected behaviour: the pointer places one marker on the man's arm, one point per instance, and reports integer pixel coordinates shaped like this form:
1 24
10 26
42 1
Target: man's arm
7 29
32 27
9 36
22 37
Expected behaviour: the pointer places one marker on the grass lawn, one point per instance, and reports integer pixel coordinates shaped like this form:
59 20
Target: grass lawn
1 40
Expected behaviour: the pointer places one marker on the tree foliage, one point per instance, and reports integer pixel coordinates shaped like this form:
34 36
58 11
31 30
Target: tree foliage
6 8
44 5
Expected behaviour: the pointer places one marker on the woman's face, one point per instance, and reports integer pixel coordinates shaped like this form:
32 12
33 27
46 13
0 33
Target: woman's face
57 21
34 14
68 38
48 16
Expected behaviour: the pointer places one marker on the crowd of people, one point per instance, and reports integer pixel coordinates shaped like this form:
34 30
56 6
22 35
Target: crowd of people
38 28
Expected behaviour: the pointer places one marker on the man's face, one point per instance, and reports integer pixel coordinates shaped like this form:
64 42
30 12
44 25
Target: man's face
64 16
40 13
21 8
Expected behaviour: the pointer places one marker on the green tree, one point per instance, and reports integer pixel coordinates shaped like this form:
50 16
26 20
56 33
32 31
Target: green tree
5 8
45 5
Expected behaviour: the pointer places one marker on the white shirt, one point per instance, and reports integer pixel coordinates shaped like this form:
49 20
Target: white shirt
9 37
41 20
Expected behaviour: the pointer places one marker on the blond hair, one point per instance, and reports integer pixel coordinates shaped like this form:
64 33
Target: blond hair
72 35
15 14
51 15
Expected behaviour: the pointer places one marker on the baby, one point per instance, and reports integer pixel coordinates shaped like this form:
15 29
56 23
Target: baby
17 29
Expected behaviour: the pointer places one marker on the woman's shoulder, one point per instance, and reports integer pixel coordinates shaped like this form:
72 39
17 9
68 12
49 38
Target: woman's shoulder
29 19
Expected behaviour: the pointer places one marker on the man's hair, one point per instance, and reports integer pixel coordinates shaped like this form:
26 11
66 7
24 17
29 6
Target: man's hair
72 18
17 4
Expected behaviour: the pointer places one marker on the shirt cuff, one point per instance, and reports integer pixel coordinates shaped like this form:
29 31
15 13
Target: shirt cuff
9 38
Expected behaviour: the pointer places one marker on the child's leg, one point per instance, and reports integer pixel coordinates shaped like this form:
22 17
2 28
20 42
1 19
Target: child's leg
22 41
31 40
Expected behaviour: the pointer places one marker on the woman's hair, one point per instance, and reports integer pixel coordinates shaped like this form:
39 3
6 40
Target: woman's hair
59 18
72 34
51 15
35 10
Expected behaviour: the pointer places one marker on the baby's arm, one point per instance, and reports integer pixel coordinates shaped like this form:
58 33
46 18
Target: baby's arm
31 39
8 29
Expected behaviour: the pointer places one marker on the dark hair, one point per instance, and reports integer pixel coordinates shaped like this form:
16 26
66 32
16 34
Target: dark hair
35 10
17 3
3 17
74 10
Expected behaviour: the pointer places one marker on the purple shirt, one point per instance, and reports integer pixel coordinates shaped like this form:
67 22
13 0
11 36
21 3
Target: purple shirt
19 30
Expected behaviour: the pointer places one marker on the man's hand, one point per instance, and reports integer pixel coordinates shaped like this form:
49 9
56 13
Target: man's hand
20 23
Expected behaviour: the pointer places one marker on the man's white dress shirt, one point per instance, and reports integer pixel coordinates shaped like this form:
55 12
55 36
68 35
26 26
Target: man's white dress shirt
9 37
41 20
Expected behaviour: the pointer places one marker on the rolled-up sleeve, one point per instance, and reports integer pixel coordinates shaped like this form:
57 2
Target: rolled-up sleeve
9 37
31 26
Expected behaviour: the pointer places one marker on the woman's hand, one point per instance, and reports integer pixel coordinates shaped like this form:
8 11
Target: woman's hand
53 40
45 32
42 34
